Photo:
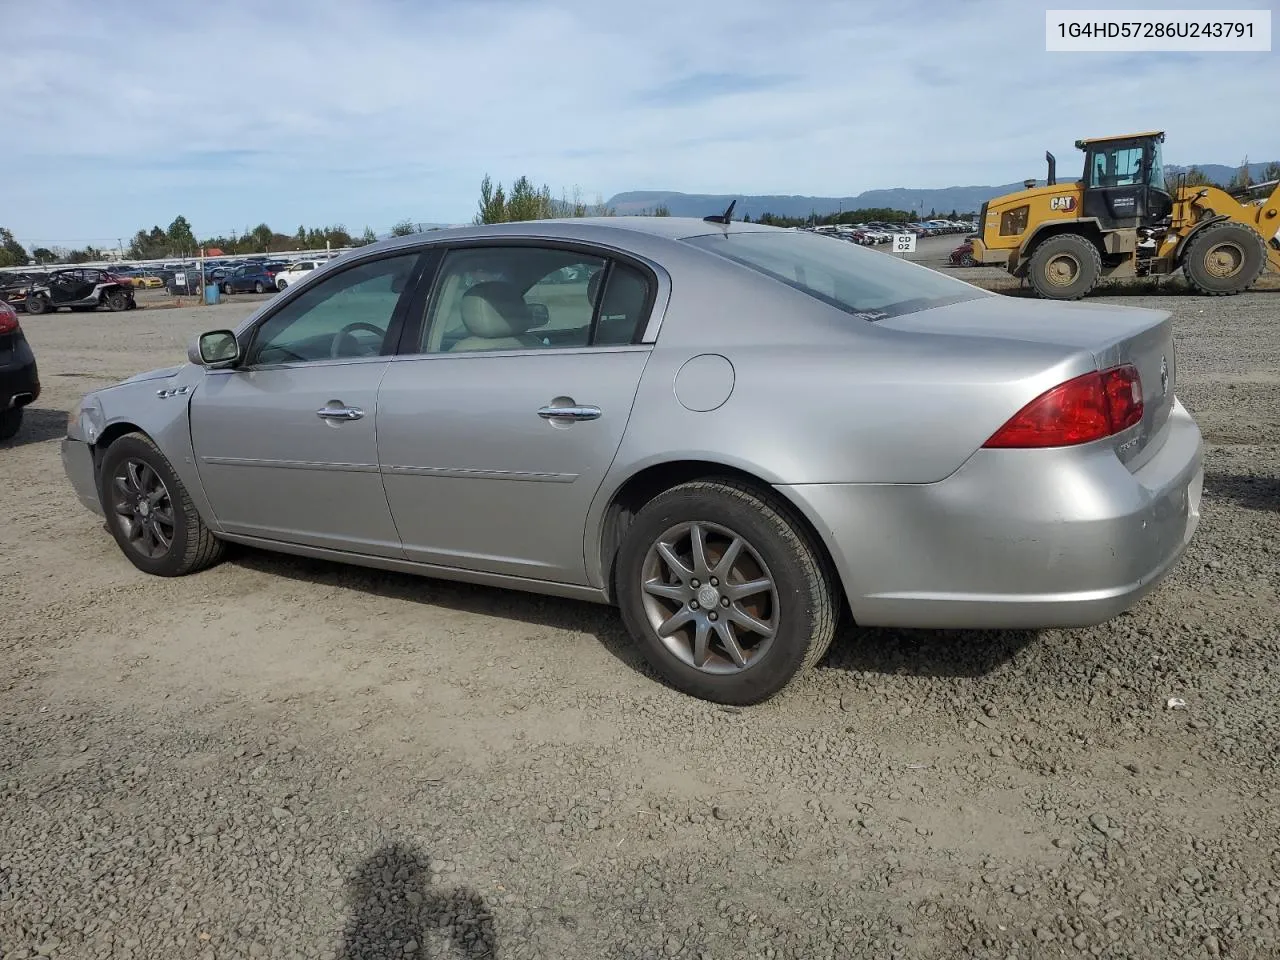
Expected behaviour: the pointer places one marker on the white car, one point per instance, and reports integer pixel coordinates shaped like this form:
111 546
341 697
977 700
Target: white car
297 271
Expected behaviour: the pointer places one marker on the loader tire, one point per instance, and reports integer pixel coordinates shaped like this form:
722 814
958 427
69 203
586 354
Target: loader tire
1224 259
1064 267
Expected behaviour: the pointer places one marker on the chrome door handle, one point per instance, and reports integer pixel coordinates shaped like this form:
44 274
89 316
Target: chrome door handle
581 412
340 413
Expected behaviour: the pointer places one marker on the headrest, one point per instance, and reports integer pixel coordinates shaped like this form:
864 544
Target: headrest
495 309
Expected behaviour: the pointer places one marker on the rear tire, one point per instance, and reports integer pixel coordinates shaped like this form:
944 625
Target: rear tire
281 284
10 423
258 287
1224 259
777 631
1064 267
116 300
167 538
36 304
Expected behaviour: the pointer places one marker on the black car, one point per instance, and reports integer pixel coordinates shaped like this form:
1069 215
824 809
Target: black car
19 379
80 288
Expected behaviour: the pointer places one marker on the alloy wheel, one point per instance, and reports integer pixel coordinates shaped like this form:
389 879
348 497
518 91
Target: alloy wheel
709 597
143 508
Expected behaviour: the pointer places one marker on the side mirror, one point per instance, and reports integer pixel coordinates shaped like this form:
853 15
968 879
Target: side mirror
218 348
540 315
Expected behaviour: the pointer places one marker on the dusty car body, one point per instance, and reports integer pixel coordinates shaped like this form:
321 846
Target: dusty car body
728 430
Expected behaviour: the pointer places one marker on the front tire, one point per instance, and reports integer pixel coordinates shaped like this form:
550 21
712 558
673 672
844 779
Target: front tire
36 304
150 513
1224 259
10 423
116 300
725 592
1065 267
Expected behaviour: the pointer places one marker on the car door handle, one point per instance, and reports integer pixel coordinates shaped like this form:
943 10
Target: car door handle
340 413
577 412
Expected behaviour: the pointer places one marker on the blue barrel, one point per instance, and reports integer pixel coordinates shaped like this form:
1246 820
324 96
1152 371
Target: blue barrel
211 292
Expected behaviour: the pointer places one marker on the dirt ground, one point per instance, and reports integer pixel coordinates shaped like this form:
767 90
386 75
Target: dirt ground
289 758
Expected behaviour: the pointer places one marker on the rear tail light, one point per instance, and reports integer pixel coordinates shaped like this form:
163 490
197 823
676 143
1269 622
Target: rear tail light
8 318
1090 407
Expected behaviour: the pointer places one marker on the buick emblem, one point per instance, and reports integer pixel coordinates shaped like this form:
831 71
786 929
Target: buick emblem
1164 377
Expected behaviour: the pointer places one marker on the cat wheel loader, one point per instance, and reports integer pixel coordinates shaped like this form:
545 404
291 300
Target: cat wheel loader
1120 220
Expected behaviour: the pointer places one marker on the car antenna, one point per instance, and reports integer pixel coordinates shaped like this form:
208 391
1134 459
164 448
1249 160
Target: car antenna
722 217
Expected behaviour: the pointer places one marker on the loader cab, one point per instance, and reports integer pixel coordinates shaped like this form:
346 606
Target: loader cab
1124 180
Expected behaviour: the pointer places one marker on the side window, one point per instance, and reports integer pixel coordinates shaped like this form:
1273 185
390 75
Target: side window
511 298
624 307
343 316
305 265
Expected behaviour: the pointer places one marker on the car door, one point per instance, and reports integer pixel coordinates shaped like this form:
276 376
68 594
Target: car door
286 442
496 427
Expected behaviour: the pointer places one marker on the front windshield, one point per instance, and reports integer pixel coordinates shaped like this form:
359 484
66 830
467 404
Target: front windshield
865 283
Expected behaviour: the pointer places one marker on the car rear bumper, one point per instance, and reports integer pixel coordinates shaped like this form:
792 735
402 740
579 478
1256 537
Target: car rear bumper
1014 538
77 462
19 379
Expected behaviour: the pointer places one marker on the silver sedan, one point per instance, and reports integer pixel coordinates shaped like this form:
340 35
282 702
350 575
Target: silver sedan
735 433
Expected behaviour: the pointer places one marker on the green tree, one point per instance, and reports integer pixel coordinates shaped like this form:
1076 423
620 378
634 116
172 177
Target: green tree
1192 177
493 202
1270 172
12 253
405 228
181 239
42 255
368 237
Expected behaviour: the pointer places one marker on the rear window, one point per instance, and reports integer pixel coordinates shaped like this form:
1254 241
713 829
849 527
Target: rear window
865 283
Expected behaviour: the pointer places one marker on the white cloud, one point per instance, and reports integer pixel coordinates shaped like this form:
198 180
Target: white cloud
326 111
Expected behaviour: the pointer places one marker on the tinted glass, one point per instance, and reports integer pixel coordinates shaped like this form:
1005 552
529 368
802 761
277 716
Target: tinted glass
345 315
511 298
866 283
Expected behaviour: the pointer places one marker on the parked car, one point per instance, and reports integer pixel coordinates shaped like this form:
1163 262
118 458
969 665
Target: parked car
964 459
19 378
79 288
253 276
15 285
297 271
147 280
962 256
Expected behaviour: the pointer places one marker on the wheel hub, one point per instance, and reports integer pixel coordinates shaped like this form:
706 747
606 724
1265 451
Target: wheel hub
1224 260
709 597
1063 270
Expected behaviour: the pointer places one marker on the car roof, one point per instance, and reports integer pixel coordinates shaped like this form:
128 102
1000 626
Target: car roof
601 229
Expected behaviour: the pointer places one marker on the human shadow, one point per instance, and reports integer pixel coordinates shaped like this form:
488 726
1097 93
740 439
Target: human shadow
38 425
396 912
1250 492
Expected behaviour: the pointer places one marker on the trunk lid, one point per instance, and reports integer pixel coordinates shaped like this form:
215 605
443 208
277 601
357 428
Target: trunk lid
1114 335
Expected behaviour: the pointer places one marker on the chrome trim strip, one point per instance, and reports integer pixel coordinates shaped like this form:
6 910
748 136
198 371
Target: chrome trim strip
463 473
292 464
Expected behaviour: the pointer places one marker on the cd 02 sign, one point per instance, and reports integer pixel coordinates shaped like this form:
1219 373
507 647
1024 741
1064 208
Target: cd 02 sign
904 243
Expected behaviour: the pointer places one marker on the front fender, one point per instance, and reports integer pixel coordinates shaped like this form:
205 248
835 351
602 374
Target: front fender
159 407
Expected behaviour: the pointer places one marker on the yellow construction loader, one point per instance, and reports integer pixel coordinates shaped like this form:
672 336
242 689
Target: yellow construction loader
1120 220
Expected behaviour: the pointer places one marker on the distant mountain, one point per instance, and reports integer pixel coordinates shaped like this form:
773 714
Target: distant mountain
943 200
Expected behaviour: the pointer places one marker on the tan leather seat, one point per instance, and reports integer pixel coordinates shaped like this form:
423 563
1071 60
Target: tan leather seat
497 318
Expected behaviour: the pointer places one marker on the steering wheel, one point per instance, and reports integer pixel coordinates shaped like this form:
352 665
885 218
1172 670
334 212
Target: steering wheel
350 328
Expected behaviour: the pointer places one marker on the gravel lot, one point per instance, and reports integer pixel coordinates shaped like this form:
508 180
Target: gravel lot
288 758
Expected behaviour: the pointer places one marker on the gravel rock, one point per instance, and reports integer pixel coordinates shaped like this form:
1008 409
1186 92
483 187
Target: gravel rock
286 758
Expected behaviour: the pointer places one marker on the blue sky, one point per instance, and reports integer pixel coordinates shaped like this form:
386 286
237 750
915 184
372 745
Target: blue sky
328 111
